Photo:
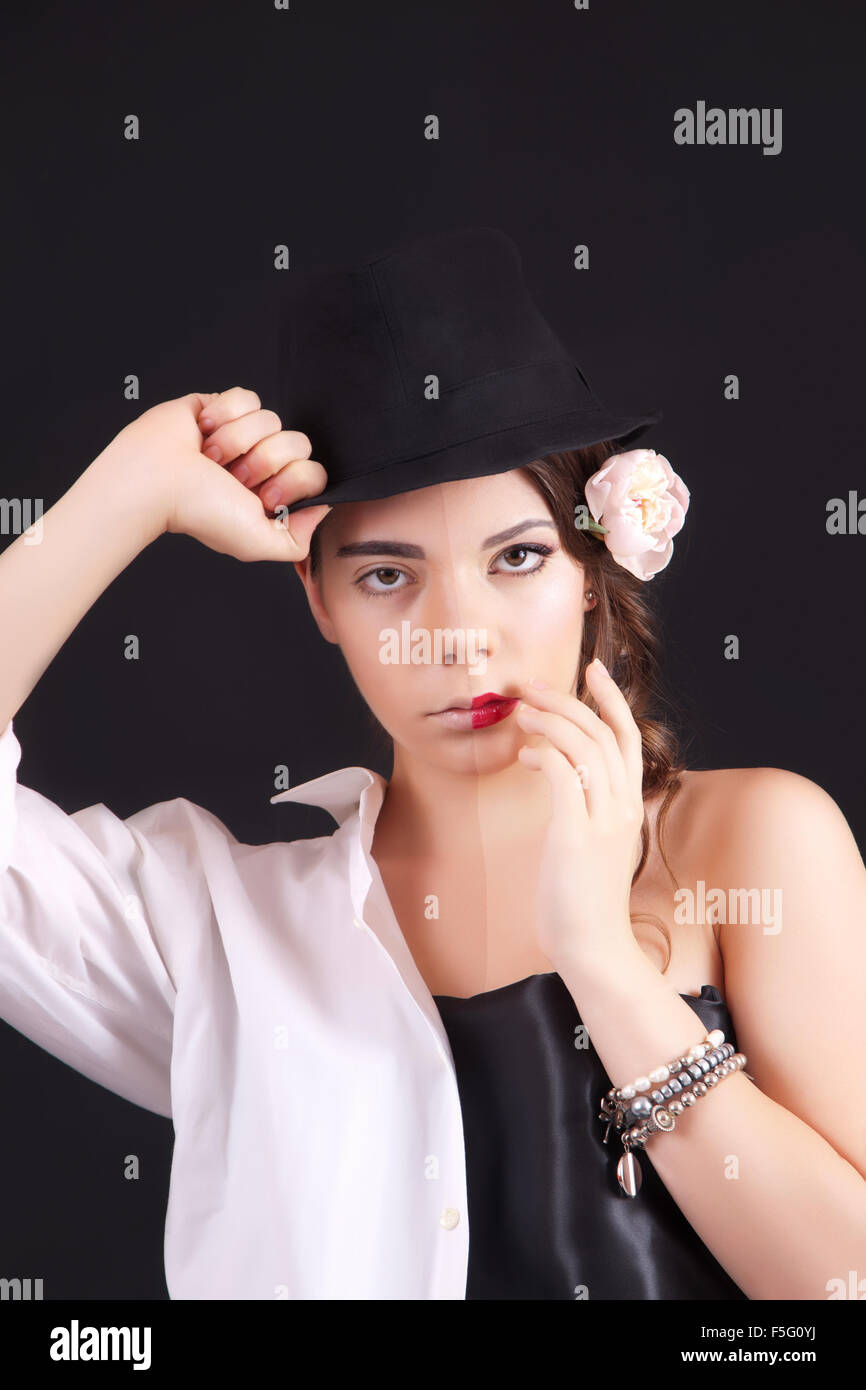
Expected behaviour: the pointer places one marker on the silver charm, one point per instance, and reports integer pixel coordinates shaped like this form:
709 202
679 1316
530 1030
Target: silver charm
628 1174
608 1112
662 1118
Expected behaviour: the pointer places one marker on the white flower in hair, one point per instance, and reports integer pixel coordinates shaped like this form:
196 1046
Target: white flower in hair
642 504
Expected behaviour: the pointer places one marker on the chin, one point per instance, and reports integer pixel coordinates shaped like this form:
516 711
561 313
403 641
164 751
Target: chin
484 751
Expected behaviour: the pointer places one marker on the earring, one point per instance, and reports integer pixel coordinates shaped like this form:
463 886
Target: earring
589 594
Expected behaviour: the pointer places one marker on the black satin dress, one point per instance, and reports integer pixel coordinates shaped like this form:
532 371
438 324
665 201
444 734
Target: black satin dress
547 1217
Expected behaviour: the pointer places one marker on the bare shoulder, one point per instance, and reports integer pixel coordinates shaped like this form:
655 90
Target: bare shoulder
748 812
733 831
751 825
725 822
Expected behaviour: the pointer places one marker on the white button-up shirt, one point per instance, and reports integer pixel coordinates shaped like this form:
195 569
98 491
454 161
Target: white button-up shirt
263 997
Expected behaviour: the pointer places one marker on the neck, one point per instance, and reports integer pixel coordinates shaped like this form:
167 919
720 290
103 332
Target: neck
438 812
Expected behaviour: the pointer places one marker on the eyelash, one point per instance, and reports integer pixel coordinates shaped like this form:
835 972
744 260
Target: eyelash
539 548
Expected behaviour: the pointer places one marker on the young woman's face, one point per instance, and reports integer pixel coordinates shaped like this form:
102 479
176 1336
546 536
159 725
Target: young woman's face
479 558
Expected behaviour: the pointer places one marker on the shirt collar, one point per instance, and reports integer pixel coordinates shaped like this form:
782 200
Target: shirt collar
341 793
345 793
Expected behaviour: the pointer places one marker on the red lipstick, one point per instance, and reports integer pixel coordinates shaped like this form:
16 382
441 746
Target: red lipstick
483 699
484 710
490 709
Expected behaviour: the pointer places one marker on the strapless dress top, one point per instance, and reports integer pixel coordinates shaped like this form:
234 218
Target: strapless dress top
547 1217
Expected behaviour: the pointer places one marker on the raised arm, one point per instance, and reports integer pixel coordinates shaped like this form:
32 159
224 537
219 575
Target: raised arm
96 911
151 478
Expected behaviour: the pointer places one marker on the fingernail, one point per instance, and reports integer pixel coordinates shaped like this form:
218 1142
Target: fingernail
213 453
205 423
241 472
270 495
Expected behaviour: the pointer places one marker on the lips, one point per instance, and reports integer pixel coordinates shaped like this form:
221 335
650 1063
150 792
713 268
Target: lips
486 699
477 703
482 712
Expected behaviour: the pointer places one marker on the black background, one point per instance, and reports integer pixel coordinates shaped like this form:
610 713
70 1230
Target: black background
306 127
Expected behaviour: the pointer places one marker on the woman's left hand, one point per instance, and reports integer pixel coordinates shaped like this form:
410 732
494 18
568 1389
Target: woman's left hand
594 767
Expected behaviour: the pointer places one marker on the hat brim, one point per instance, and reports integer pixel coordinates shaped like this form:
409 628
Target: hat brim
498 452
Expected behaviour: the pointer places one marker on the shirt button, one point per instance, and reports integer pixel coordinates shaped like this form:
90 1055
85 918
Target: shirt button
449 1218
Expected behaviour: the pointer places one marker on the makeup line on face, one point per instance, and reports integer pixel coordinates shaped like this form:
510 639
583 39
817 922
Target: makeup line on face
484 710
491 707
470 569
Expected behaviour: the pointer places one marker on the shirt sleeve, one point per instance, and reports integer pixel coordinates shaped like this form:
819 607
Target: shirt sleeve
87 904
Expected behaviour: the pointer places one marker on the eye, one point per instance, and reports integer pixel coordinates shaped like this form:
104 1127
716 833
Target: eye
389 584
389 587
525 550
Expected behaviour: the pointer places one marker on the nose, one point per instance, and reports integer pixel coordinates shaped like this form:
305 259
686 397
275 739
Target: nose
457 605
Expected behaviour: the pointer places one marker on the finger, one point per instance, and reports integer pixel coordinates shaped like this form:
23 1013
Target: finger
584 754
269 455
272 538
256 536
205 423
229 405
568 801
303 524
299 478
621 773
616 714
599 736
228 441
197 400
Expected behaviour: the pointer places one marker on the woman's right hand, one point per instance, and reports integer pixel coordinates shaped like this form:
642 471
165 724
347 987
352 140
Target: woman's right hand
211 500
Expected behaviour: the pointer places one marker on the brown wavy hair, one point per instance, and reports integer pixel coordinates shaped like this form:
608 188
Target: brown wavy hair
622 629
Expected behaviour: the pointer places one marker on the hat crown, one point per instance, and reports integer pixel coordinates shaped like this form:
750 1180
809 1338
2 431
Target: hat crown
368 337
430 362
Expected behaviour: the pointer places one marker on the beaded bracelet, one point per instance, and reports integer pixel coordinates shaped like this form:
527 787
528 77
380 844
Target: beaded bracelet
662 1117
614 1101
683 1081
660 1074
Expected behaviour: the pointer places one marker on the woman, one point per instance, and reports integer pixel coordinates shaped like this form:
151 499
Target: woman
372 1042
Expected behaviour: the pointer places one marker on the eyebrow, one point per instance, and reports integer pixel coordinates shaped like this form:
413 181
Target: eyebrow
416 552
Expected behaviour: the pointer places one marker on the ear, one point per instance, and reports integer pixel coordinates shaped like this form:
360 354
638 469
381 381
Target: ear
314 599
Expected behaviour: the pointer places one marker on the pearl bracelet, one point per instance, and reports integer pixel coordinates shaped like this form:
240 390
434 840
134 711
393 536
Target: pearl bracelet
679 1084
661 1074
